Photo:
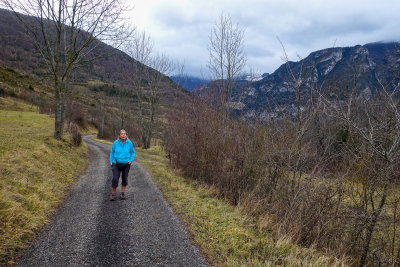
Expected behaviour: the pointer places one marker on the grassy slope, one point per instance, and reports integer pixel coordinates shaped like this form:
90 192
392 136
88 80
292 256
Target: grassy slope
36 172
226 236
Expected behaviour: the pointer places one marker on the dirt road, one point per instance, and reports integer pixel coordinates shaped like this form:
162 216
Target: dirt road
90 230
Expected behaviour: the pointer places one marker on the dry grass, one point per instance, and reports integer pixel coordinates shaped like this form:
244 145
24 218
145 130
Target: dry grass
11 104
88 130
227 236
95 83
36 172
102 141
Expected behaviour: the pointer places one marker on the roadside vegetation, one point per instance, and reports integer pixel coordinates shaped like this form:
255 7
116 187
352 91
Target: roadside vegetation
36 172
326 175
225 234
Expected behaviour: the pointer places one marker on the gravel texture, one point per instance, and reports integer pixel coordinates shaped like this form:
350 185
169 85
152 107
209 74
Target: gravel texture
90 230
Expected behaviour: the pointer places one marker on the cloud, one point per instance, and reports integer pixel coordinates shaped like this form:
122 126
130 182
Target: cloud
180 28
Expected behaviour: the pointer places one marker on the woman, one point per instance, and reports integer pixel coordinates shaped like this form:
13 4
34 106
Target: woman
121 157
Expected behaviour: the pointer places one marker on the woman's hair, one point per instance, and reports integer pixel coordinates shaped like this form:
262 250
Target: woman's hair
122 131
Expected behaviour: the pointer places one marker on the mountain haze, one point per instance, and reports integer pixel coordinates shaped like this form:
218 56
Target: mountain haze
190 83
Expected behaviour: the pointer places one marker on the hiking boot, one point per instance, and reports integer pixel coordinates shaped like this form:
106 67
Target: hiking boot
112 197
122 196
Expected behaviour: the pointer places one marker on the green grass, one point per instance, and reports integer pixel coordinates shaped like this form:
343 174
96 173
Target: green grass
17 83
36 172
226 236
95 83
10 104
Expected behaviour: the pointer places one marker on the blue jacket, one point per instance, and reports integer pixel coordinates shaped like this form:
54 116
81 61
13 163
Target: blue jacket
123 152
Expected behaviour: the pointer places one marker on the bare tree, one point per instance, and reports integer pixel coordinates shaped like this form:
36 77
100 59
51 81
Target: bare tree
182 77
226 56
161 66
374 125
140 48
102 111
147 75
66 32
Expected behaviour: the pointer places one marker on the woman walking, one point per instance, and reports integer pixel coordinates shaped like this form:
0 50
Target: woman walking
121 158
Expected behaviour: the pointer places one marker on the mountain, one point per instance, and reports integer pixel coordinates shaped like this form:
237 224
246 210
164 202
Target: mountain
98 87
362 69
252 77
190 83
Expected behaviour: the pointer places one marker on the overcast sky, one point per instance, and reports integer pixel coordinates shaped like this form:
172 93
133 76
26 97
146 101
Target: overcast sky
180 28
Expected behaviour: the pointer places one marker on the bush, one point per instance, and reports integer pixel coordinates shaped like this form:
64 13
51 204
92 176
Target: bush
45 109
75 113
76 137
11 93
320 186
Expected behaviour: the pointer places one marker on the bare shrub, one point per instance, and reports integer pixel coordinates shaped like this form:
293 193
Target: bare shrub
76 137
323 184
46 109
75 114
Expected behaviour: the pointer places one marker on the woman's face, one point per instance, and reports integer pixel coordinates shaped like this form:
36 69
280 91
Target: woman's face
122 136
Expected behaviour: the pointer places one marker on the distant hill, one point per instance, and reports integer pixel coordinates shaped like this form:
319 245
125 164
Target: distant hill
362 68
190 83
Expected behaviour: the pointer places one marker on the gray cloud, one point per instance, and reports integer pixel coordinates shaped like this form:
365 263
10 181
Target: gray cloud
181 28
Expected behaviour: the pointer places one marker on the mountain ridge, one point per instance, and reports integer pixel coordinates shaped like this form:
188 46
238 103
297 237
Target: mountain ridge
362 68
190 83
18 51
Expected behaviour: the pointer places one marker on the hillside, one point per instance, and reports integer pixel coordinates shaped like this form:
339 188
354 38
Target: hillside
103 86
360 69
18 51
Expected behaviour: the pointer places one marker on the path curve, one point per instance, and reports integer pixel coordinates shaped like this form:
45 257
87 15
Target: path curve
90 230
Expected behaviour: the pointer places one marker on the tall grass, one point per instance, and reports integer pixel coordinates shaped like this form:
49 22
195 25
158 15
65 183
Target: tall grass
36 172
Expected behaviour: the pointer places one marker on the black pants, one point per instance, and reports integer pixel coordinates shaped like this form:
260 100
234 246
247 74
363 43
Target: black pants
117 173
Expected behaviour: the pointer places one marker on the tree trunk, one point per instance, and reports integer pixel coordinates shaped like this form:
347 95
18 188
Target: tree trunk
149 132
371 226
101 127
146 137
59 117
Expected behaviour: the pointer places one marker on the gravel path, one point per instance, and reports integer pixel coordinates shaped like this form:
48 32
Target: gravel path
90 230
